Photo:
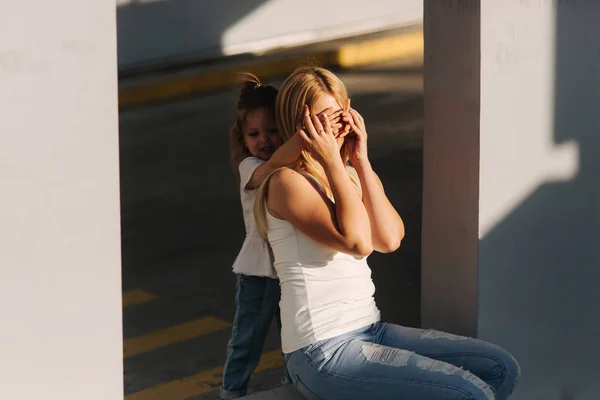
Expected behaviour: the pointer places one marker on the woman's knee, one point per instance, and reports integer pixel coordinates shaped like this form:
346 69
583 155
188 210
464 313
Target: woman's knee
505 374
455 382
513 371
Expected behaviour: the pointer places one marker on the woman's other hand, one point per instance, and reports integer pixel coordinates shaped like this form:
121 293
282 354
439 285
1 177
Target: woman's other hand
356 140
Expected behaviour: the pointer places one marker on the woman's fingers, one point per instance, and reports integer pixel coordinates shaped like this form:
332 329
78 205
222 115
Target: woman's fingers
336 126
333 116
355 121
318 125
308 124
327 123
350 121
358 119
304 136
346 130
336 122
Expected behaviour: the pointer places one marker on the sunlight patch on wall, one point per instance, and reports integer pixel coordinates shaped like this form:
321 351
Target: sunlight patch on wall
518 149
284 23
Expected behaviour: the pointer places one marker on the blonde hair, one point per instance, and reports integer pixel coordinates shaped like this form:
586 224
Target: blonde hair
253 95
304 86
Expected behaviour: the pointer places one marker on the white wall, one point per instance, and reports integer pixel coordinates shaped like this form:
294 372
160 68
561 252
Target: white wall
539 219
60 285
154 31
513 256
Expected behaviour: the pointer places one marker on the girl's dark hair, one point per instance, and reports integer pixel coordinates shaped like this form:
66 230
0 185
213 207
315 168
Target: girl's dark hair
253 96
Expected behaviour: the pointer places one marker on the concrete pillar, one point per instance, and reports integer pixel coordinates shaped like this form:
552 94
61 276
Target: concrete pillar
511 196
60 284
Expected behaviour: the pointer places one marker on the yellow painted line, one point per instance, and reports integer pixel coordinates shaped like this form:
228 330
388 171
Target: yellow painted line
379 50
188 85
174 334
364 52
200 383
136 296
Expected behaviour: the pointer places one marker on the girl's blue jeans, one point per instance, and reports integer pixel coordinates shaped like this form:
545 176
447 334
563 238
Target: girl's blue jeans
257 303
386 361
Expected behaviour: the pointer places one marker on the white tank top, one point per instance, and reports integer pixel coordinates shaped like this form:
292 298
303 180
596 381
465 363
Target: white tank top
324 293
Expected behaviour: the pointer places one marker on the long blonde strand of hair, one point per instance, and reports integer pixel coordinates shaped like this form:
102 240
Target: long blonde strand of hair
260 205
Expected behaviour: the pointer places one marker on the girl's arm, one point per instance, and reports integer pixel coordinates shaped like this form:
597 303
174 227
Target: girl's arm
288 153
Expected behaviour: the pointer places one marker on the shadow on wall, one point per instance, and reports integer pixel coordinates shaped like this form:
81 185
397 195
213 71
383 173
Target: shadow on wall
550 318
171 28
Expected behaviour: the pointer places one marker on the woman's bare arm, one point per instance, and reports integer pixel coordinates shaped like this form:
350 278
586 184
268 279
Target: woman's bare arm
387 226
343 226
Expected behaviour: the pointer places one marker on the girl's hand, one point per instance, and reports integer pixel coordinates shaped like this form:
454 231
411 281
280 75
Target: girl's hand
319 138
356 140
338 127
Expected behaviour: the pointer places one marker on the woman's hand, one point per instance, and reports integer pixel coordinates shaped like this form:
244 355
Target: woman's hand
318 135
356 140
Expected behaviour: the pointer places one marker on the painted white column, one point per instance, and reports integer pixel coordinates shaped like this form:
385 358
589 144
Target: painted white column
511 198
60 282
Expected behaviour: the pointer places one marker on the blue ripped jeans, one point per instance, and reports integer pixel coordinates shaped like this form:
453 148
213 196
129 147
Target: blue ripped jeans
386 361
257 303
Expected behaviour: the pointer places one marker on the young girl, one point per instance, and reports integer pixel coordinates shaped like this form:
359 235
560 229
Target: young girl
255 153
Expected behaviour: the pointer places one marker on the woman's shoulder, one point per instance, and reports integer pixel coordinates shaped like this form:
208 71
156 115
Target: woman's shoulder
286 176
291 181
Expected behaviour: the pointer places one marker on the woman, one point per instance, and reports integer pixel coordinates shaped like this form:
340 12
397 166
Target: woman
322 219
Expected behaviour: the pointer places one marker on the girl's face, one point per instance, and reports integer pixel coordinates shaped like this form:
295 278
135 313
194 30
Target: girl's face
260 133
329 103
